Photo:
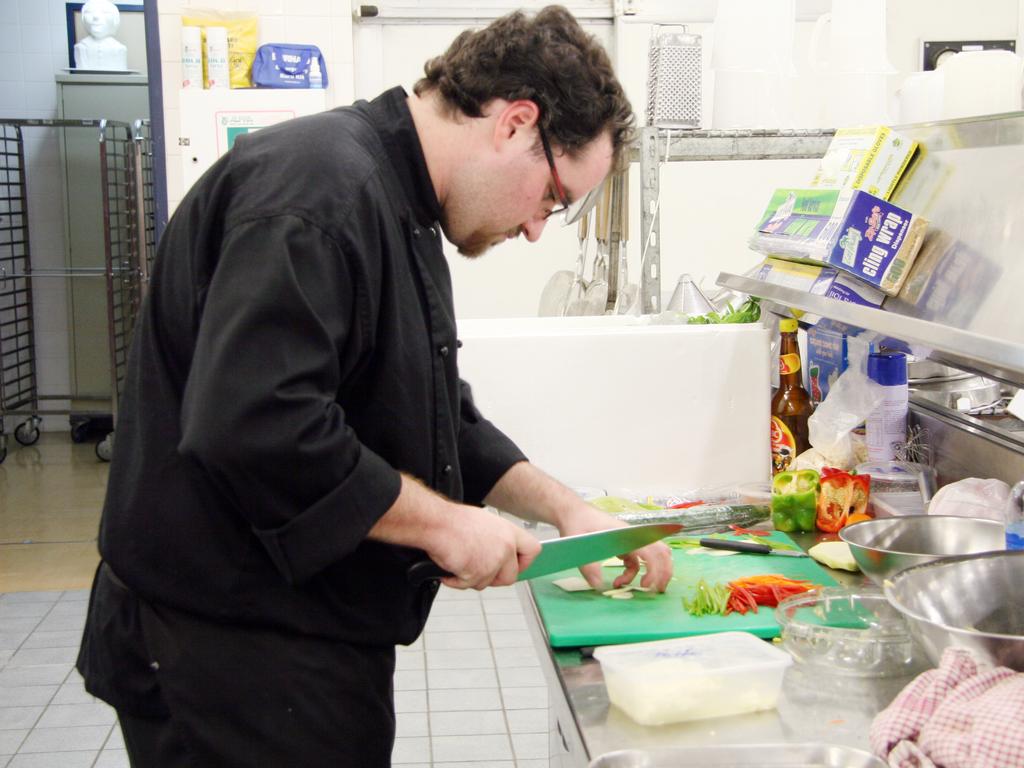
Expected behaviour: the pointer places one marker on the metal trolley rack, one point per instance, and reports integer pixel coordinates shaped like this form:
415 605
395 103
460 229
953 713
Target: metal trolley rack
126 181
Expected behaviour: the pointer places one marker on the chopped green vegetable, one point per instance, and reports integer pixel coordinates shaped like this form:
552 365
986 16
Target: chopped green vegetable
749 312
708 599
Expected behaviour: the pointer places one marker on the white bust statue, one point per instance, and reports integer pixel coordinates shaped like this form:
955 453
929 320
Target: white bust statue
100 50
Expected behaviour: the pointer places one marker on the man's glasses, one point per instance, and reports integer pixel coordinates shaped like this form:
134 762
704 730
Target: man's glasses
570 213
559 189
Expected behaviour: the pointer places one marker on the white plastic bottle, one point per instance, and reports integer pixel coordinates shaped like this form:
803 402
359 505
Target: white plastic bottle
316 78
1015 517
218 74
191 57
886 427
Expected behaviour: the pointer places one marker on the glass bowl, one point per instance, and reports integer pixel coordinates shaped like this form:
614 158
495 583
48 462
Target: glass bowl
848 631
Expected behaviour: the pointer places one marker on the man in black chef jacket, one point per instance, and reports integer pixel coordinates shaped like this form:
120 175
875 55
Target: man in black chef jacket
293 433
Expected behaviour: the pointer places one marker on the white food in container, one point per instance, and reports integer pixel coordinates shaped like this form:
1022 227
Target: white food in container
692 678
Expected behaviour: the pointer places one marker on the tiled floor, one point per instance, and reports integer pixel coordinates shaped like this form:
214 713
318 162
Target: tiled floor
469 693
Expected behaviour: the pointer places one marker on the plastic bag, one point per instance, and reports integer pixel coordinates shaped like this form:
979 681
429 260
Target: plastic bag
243 40
849 402
972 497
288 65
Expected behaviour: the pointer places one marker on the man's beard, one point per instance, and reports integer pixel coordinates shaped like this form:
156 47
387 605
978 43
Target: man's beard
478 243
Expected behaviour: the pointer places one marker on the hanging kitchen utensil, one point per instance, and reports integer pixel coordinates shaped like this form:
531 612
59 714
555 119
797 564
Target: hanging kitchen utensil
688 298
627 293
574 303
555 294
596 298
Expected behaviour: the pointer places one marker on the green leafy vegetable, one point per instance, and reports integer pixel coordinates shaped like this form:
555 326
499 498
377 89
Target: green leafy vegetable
749 312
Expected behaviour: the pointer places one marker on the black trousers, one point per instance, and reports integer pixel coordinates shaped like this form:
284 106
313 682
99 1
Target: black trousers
256 698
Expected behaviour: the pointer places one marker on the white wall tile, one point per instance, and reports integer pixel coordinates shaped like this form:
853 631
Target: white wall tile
35 38
168 20
268 7
41 95
10 40
175 179
310 7
214 5
59 43
38 67
33 12
309 30
57 12
273 29
171 6
170 37
12 98
11 67
171 72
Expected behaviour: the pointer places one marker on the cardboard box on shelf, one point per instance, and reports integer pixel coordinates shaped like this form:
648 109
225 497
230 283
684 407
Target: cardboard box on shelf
861 234
830 348
869 158
819 280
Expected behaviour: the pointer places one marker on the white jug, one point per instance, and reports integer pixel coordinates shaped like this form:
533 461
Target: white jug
754 36
856 38
920 97
981 83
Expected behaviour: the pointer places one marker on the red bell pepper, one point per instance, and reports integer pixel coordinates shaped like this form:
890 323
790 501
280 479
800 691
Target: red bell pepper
842 494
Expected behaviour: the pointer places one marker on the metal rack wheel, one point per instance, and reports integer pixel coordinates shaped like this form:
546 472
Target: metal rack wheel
27 433
3 447
105 448
80 432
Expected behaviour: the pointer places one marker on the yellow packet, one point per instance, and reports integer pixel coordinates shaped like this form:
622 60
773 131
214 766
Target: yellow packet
243 40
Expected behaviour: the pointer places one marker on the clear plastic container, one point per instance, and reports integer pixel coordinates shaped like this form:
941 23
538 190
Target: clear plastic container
847 632
900 477
692 678
899 487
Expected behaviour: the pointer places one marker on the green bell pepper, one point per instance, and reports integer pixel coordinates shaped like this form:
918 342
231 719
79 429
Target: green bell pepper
794 497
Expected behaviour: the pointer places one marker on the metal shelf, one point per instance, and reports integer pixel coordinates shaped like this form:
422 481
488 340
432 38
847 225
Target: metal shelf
993 357
658 145
672 145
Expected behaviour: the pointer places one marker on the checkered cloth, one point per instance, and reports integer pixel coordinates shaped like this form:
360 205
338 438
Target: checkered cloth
964 714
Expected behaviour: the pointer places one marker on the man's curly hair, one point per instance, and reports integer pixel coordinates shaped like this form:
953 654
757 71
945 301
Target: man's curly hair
547 59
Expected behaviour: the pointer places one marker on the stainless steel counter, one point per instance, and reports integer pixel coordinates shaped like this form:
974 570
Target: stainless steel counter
813 706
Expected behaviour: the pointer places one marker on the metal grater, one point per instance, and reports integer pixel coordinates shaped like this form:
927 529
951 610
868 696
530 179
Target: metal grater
674 78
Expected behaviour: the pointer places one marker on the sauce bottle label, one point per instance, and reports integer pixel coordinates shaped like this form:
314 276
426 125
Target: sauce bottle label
783 445
789 363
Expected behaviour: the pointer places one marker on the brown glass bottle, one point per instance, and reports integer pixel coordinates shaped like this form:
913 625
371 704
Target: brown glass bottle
791 405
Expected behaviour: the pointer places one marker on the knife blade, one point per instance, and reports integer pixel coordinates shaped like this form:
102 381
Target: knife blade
569 551
749 546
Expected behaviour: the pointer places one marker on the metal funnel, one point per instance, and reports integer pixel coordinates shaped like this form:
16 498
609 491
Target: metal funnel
688 299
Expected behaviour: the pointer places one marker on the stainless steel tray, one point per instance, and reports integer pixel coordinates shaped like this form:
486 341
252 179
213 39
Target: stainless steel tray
761 755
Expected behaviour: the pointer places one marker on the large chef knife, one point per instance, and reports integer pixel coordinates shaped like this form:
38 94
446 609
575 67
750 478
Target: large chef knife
749 546
570 551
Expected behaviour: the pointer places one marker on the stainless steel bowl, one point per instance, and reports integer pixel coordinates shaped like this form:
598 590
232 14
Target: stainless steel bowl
888 545
972 602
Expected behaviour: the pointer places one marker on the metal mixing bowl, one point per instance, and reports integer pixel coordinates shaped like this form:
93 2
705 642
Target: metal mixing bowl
972 601
886 546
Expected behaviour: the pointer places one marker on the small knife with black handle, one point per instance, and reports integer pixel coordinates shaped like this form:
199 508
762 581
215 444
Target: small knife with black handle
749 546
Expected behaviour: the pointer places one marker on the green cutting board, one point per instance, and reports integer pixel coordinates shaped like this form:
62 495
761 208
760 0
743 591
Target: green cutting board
573 619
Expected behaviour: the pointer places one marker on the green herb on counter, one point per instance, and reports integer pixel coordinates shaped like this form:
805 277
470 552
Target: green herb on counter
749 312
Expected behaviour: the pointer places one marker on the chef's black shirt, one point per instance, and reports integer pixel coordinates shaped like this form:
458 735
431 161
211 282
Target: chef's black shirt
297 349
